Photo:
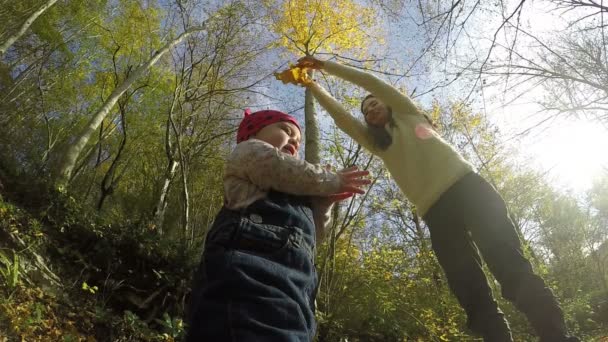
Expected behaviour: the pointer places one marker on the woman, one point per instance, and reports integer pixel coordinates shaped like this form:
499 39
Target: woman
463 211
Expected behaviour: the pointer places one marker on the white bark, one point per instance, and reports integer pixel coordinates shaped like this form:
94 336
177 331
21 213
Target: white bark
73 151
311 141
159 214
186 195
12 39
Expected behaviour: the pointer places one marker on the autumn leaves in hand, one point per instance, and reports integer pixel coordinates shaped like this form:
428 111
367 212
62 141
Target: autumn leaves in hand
310 62
298 74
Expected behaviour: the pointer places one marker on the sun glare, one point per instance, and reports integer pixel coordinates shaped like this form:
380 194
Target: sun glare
574 153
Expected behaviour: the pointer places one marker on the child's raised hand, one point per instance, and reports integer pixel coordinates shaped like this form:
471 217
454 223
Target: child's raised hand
310 62
352 180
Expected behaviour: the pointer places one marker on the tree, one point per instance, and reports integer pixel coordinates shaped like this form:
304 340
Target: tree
43 81
26 24
319 27
570 70
204 91
70 156
569 63
502 52
597 235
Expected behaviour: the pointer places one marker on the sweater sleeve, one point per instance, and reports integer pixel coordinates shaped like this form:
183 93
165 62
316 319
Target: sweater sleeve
344 120
269 169
382 90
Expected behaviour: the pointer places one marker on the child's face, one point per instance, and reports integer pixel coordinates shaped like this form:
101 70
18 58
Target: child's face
283 135
376 113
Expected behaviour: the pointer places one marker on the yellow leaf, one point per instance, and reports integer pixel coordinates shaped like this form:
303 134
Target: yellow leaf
294 75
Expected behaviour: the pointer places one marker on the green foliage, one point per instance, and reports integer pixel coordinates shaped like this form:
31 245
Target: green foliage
386 294
9 270
90 289
81 247
31 314
173 327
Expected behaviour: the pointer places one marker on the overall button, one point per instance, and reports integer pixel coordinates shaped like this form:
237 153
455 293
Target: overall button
255 218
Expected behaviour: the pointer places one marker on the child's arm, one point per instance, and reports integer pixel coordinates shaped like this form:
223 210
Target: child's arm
384 91
346 122
269 169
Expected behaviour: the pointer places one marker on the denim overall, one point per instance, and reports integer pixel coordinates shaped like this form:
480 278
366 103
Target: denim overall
257 278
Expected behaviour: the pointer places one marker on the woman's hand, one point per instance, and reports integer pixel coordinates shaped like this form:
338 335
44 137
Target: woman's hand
310 62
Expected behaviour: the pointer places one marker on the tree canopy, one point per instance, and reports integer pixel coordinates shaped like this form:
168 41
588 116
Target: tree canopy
116 118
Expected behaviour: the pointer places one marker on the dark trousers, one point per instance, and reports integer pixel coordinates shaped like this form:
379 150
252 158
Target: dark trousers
471 217
256 281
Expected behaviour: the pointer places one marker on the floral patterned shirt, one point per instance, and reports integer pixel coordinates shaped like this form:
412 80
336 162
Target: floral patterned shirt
255 167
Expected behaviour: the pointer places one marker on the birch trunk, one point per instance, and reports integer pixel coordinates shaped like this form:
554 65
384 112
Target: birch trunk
12 39
311 141
159 212
186 195
64 171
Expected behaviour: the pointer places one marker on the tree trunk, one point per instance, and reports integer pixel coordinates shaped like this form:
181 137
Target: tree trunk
73 151
159 210
109 181
311 151
422 243
186 195
12 39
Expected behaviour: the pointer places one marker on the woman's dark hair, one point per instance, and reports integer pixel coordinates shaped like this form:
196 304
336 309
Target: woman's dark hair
382 139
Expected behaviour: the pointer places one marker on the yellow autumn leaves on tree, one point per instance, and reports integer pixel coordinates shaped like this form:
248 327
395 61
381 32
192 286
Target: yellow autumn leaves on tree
294 75
311 26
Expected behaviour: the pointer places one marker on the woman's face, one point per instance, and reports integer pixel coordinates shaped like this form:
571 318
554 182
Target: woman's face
376 113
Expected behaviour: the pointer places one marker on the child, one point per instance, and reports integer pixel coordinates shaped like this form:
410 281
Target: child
454 202
257 277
